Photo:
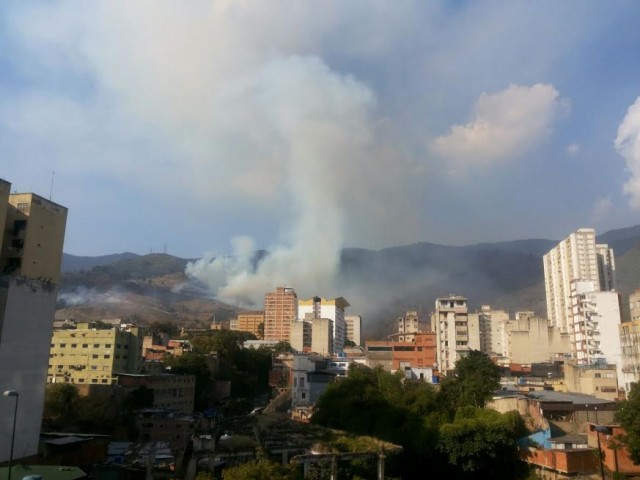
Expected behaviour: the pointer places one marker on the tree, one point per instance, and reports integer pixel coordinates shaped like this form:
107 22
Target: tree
473 381
481 443
628 414
59 400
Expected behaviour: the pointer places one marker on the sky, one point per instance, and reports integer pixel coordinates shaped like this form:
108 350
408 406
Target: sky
211 128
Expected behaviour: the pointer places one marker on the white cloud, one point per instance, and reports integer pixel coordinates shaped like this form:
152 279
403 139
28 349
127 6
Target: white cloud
627 144
504 125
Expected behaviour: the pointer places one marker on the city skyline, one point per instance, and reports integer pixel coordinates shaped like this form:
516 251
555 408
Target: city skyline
227 127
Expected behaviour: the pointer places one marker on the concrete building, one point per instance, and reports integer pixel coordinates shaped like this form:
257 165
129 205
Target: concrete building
322 336
575 258
408 325
394 356
87 355
490 324
354 328
331 308
455 337
301 336
170 392
30 256
630 344
598 379
280 309
530 339
595 321
249 321
634 305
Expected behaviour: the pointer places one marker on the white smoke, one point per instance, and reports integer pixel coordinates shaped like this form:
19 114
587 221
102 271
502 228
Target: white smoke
627 144
321 128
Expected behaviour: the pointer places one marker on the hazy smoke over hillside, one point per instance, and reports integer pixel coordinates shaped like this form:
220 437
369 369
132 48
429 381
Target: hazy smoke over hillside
321 125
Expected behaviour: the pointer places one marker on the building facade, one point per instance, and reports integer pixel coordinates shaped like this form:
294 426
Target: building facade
86 355
630 344
454 337
30 256
531 339
408 325
577 257
280 309
331 308
354 328
250 321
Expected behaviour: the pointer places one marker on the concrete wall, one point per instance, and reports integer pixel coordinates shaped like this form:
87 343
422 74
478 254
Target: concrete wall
27 314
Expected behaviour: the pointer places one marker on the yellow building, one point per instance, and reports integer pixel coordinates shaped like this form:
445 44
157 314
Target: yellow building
252 322
86 355
33 236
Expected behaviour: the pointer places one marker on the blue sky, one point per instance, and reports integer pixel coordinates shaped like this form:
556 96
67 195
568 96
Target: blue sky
302 127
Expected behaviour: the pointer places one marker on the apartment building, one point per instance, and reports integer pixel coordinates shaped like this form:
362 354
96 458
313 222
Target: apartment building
598 379
331 308
408 325
529 339
630 344
31 245
250 322
455 335
280 309
576 258
354 328
490 325
394 356
170 392
87 355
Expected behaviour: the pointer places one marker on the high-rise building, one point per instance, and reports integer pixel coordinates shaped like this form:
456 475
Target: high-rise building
576 258
408 325
331 308
354 328
280 309
30 256
490 324
455 338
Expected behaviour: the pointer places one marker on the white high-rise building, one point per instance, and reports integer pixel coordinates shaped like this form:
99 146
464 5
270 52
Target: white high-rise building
456 335
576 258
331 308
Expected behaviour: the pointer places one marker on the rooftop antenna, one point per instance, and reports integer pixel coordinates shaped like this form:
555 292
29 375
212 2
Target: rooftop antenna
53 172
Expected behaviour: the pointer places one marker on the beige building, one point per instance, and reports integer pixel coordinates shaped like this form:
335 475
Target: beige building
577 257
630 343
280 309
598 379
455 336
250 321
408 325
33 239
530 339
331 308
31 245
489 325
86 355
354 328
301 336
322 336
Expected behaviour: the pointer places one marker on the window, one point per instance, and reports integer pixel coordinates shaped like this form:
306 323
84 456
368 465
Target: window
104 380
85 345
94 356
108 345
63 345
96 345
107 356
74 345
